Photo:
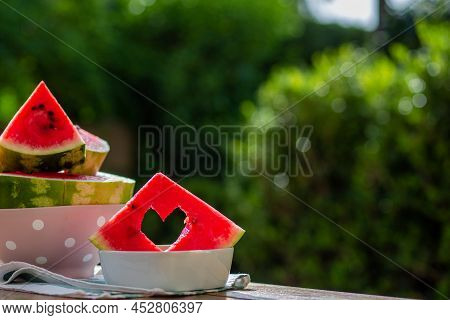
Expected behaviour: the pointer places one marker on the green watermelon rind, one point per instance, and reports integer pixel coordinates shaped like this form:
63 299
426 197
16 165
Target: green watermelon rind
92 164
95 154
11 160
30 193
239 232
116 190
98 242
23 191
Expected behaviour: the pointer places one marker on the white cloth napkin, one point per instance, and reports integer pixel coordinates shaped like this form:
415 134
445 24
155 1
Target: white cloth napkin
24 277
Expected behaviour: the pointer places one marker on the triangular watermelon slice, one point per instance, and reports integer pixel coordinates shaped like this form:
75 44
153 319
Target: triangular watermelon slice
205 227
40 137
96 151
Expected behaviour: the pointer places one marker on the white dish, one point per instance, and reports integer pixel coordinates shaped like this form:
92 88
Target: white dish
55 238
170 271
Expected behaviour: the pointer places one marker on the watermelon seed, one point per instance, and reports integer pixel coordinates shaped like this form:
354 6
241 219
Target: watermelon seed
50 113
51 126
33 108
41 106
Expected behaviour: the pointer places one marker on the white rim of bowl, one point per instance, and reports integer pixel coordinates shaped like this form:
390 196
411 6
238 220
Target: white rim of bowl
164 252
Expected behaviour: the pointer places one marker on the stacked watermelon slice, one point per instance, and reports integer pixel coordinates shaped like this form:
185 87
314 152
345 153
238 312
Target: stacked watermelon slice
47 161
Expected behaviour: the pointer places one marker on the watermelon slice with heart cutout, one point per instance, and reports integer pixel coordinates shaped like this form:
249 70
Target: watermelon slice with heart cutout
205 227
40 137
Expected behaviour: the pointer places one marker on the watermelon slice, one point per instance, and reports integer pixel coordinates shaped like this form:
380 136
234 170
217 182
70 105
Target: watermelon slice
21 190
205 228
40 137
96 151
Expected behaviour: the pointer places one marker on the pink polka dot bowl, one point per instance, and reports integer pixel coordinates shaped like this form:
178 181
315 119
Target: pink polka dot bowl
54 238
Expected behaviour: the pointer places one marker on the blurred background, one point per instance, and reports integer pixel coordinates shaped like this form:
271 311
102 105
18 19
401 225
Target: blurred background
380 148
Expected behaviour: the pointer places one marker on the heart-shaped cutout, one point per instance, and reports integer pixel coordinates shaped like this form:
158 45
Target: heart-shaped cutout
205 227
163 232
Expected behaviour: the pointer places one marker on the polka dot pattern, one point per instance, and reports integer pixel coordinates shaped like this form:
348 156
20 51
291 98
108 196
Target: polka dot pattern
38 225
87 257
55 237
69 242
41 260
101 221
10 245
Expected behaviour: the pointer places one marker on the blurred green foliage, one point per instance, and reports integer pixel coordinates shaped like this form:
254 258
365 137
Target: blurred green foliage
380 157
379 161
197 59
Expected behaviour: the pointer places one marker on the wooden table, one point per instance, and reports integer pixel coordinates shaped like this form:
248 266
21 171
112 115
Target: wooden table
252 292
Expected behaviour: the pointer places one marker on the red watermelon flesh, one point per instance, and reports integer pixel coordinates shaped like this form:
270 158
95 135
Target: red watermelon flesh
205 227
93 142
41 125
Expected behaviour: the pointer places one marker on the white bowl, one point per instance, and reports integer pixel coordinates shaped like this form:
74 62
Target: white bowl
170 271
55 238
